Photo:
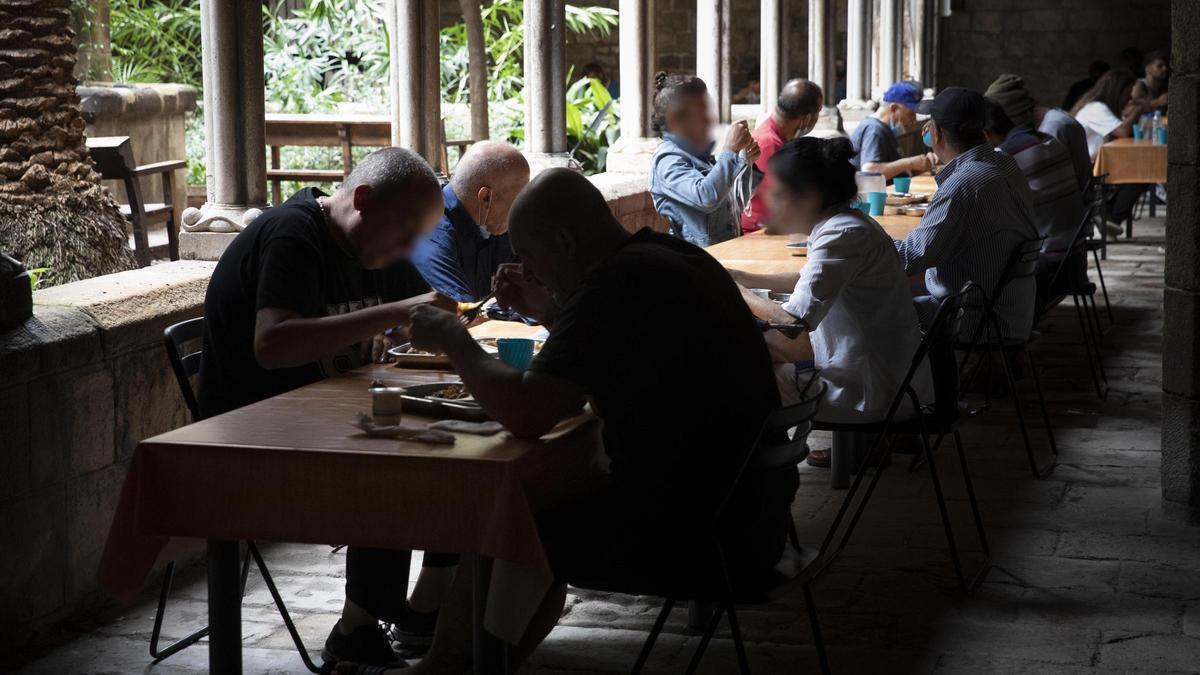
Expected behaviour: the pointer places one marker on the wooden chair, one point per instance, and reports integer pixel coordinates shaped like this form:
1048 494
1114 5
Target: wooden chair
113 156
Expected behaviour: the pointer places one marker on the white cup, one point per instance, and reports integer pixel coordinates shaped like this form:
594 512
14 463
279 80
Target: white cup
387 405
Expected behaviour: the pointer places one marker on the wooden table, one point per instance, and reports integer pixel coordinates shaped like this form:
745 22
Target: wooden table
762 253
1127 161
292 469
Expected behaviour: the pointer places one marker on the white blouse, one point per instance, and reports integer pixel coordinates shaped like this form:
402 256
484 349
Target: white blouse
1098 122
854 296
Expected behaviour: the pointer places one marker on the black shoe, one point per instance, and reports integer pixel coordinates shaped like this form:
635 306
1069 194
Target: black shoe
366 645
414 629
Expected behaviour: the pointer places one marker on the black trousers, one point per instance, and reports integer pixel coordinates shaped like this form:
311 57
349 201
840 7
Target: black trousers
1122 200
377 579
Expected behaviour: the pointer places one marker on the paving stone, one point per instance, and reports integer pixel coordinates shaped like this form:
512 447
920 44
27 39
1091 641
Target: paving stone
1150 653
1160 581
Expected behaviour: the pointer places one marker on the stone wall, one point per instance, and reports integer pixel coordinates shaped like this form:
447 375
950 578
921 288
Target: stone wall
1050 44
80 384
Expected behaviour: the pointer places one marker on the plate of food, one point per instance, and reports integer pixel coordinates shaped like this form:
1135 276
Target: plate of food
408 356
906 198
443 399
914 210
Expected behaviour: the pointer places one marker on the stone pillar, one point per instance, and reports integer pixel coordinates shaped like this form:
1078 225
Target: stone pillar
1181 302
231 38
888 41
822 38
415 79
545 84
773 50
918 45
712 52
858 57
632 151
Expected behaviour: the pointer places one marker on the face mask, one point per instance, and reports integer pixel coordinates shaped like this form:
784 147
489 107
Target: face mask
927 139
897 129
483 231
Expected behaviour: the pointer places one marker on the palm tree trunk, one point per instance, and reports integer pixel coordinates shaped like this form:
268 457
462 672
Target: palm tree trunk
476 68
53 211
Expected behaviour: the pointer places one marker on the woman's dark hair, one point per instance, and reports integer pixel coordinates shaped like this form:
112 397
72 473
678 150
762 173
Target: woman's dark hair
670 93
1109 90
1156 55
819 163
995 119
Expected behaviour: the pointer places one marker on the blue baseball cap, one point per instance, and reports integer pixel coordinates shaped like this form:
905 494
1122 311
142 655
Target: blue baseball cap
904 93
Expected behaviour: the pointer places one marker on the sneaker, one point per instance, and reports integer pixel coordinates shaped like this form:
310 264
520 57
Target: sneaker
414 629
366 645
819 458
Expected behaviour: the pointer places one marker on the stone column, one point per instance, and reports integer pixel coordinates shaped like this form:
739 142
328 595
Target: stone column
1181 302
712 52
858 58
545 84
888 41
235 153
415 79
632 151
772 50
821 41
918 46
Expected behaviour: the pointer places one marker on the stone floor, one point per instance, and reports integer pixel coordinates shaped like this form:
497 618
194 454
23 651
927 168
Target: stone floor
1089 575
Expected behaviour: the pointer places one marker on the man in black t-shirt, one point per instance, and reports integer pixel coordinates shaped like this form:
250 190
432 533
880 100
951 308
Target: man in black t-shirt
306 291
681 407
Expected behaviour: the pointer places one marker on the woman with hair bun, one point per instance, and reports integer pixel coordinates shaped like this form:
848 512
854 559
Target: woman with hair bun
851 300
698 193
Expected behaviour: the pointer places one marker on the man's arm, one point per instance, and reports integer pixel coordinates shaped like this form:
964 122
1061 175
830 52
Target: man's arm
283 338
684 183
527 403
932 242
915 165
780 283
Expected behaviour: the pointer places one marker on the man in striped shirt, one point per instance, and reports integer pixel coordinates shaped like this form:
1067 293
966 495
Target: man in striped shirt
982 211
1046 163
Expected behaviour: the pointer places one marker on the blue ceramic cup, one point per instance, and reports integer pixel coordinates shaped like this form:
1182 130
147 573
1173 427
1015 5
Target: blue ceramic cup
516 352
902 183
1160 135
1137 131
865 207
877 201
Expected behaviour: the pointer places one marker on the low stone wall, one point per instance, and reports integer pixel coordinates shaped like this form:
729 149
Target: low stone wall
80 384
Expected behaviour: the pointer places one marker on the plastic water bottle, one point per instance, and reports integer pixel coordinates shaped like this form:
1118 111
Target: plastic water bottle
1156 124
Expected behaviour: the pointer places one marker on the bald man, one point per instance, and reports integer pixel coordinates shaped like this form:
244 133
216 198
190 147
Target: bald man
795 114
681 408
470 242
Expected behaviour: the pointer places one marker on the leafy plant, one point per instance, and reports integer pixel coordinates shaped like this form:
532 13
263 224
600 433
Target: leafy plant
35 276
593 123
156 40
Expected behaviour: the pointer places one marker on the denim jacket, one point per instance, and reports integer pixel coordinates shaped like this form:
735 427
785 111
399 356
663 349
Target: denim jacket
694 191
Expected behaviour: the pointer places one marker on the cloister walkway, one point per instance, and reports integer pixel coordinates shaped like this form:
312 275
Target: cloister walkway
1090 576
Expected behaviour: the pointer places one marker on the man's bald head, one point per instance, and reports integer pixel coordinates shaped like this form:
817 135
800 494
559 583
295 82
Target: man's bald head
799 105
561 226
487 179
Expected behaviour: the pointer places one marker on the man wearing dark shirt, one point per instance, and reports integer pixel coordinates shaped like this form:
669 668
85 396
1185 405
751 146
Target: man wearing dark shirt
681 408
470 242
874 139
301 294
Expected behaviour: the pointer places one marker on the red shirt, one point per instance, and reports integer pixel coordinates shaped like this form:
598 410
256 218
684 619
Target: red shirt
770 138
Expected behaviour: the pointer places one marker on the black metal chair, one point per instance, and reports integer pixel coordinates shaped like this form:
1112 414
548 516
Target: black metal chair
781 445
938 419
1069 278
1095 204
184 353
988 339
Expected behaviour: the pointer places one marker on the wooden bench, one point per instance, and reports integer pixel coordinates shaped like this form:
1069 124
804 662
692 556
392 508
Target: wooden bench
113 156
331 130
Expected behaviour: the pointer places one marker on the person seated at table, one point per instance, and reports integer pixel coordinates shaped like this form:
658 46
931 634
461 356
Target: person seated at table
981 212
795 114
470 242
680 407
1095 70
1025 111
875 145
692 189
860 329
306 291
1107 111
1150 90
1057 202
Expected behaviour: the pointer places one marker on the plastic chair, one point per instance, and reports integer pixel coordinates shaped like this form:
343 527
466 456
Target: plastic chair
185 362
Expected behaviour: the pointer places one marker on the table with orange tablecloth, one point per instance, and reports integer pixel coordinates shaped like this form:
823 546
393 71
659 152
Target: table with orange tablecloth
1127 161
292 469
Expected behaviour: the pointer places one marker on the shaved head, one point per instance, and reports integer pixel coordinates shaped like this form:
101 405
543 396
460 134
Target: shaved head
561 227
487 180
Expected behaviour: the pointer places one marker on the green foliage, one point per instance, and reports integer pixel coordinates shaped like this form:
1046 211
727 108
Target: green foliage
593 123
35 276
156 40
